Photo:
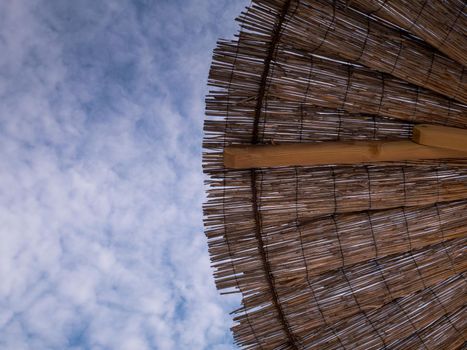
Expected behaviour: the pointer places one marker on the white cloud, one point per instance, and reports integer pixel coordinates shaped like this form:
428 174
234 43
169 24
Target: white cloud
101 243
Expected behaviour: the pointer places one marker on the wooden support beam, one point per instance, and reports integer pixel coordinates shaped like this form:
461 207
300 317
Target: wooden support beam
441 136
304 154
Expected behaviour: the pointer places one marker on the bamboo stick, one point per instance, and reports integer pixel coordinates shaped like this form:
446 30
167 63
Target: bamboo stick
302 154
440 136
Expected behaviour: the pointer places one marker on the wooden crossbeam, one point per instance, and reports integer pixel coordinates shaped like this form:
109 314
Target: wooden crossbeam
440 136
306 154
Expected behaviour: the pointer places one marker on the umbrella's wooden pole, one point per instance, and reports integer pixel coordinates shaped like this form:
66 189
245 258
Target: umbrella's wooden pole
440 136
332 152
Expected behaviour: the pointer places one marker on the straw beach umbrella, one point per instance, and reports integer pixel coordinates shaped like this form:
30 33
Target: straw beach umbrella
335 151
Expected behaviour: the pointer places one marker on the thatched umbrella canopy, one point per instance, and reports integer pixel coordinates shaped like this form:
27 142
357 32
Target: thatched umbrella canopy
340 219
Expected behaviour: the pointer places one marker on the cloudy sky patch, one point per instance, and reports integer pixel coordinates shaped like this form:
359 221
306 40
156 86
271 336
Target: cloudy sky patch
101 243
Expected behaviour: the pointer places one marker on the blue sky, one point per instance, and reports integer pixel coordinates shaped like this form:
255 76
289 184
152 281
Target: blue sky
101 112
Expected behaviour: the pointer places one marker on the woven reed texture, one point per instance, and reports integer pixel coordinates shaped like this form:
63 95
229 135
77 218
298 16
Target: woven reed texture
382 327
441 23
443 334
332 257
329 28
336 296
360 237
309 80
291 124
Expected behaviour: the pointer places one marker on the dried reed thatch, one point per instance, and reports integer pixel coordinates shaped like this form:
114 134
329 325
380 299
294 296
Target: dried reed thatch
365 256
322 27
440 23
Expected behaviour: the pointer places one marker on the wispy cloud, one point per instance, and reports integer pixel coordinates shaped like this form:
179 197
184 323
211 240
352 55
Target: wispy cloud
101 109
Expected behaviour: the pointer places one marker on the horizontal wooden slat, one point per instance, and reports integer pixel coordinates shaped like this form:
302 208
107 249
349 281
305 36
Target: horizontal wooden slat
307 154
441 136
